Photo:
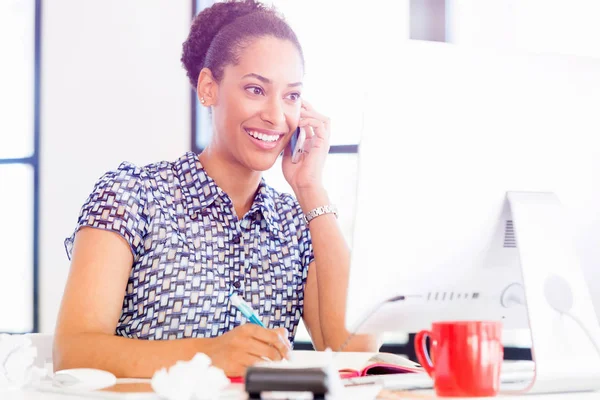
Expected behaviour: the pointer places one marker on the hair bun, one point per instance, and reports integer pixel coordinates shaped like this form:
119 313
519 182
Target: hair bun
206 26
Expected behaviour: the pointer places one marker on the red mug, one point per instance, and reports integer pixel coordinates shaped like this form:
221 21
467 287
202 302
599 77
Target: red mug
466 357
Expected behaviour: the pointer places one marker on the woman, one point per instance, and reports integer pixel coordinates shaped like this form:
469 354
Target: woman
158 249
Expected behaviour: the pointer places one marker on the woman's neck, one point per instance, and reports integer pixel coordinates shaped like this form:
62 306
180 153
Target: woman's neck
238 182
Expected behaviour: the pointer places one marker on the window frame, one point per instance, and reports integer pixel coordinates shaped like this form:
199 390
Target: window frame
34 161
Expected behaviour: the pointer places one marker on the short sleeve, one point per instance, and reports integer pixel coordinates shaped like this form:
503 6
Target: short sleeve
117 204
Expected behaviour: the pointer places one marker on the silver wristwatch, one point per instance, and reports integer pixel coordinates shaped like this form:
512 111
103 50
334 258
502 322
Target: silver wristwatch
314 213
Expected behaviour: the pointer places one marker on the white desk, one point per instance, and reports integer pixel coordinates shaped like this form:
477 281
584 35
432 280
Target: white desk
240 395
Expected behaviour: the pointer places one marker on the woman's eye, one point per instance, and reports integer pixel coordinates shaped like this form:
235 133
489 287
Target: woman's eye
255 90
294 96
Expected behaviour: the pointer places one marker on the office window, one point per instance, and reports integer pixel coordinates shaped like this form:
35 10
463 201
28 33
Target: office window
19 34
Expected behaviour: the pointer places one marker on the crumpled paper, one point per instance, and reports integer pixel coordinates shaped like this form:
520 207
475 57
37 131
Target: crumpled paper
196 379
336 387
17 355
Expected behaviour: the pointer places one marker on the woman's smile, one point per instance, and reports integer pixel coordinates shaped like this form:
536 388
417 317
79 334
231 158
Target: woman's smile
263 138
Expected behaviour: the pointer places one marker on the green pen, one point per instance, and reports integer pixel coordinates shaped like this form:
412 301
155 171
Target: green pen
245 309
248 312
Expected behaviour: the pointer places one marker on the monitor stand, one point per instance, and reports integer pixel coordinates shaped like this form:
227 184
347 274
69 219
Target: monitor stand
556 295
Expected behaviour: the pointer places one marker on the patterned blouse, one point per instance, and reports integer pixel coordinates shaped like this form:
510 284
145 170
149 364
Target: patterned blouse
190 251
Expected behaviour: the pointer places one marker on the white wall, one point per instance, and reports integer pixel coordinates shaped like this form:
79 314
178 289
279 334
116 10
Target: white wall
113 89
538 26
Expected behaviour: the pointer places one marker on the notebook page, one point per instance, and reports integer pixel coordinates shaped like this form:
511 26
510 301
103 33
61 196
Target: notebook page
316 359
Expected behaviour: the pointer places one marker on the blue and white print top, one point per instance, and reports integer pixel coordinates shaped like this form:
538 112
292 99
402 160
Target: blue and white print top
190 251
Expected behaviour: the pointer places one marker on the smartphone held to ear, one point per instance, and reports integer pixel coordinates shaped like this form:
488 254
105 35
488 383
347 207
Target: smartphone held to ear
297 144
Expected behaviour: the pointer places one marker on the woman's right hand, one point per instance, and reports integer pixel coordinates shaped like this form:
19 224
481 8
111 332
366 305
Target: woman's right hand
246 345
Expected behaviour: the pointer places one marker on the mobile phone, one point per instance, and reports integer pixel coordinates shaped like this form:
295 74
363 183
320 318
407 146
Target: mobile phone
297 144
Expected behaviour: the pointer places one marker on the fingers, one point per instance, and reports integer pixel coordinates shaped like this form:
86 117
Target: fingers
276 338
248 360
247 345
282 334
306 106
318 127
263 350
320 124
319 138
316 115
283 337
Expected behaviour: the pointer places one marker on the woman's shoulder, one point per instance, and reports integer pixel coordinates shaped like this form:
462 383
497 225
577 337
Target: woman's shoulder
149 174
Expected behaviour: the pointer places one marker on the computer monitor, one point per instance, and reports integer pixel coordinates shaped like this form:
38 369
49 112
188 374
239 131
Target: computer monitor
478 181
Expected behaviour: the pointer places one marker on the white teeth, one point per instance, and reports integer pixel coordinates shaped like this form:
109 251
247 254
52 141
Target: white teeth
262 136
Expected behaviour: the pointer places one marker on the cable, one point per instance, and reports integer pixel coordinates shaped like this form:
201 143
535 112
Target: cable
559 296
587 332
583 328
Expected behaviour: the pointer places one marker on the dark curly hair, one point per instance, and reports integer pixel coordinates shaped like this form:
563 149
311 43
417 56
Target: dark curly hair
220 33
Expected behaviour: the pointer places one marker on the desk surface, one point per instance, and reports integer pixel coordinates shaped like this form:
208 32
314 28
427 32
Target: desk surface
236 392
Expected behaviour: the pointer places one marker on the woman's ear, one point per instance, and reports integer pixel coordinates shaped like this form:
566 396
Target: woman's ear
207 88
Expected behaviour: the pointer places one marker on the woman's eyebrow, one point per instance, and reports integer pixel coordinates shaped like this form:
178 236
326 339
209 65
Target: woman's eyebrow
267 80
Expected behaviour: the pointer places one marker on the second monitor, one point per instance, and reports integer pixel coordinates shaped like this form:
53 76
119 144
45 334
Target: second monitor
454 151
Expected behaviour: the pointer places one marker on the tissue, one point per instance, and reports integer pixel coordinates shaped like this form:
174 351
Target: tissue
336 387
196 379
17 355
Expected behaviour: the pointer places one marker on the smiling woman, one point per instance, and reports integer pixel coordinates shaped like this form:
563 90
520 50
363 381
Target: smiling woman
163 247
261 96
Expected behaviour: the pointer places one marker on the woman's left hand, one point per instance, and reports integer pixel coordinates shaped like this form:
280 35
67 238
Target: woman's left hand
307 173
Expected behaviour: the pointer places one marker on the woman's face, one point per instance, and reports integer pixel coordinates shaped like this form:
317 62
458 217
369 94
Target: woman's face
258 103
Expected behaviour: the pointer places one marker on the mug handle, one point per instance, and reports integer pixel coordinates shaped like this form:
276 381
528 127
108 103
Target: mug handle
422 353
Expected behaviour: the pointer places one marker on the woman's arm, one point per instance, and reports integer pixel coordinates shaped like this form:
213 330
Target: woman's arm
91 307
327 283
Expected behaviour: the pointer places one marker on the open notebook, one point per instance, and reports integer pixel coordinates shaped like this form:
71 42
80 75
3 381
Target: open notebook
378 364
349 364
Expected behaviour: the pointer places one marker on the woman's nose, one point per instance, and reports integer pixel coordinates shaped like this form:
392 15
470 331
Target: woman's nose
273 113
